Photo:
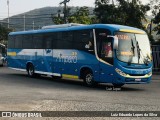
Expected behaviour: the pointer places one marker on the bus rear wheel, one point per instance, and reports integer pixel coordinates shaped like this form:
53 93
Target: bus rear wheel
30 70
88 79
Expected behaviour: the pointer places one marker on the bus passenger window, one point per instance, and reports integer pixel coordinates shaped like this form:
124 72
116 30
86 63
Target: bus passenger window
38 41
11 42
18 41
48 43
28 42
83 40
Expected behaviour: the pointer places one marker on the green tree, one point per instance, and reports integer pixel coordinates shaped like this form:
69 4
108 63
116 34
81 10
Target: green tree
4 34
57 19
155 6
80 16
121 12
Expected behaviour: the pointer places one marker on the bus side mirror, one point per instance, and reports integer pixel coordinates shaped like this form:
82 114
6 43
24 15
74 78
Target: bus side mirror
115 43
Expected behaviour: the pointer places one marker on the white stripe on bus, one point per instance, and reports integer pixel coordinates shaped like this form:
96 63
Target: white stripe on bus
40 72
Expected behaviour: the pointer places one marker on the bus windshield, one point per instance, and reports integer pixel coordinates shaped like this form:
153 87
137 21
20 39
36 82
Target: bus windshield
133 48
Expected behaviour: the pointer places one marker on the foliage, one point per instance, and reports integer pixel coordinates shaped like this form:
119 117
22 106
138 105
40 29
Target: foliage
80 16
4 34
121 12
57 20
155 5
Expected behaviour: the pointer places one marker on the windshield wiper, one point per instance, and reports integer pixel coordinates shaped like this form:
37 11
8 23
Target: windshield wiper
138 51
140 54
132 48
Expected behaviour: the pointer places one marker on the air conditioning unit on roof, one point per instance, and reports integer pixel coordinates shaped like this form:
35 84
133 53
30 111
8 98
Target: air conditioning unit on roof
61 25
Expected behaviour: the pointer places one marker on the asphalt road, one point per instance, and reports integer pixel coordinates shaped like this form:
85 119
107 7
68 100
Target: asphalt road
19 92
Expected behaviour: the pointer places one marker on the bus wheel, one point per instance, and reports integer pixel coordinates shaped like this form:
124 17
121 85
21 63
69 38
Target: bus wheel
117 85
88 79
30 70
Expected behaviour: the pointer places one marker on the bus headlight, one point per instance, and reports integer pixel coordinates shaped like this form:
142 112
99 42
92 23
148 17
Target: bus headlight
150 73
120 72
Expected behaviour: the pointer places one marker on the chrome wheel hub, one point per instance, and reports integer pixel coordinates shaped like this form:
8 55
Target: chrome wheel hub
89 78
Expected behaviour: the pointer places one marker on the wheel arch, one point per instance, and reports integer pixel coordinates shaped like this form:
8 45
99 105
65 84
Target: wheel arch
84 69
27 64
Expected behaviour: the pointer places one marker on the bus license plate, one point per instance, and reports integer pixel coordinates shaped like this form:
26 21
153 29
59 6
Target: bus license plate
137 80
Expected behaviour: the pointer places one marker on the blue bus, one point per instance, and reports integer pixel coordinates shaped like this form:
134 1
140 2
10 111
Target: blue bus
98 53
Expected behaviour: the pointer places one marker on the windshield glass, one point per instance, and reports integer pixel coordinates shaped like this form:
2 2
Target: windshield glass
133 48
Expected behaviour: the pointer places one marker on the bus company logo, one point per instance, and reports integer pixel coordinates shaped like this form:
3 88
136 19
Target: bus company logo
48 51
6 114
139 72
66 58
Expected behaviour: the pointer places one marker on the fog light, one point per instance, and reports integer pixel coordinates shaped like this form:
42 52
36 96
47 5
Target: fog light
150 73
120 72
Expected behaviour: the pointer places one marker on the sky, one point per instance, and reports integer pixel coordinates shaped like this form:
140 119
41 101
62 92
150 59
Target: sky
21 6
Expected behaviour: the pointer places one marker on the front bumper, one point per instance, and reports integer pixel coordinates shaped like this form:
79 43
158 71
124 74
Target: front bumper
127 79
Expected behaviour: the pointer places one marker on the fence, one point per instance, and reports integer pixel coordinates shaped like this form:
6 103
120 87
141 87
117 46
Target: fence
156 58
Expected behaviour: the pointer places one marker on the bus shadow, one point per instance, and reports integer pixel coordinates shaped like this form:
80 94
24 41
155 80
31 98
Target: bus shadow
45 81
131 89
125 88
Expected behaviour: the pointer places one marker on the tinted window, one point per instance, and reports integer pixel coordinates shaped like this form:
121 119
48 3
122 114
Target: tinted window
64 40
83 40
18 41
38 41
11 41
59 43
48 39
28 42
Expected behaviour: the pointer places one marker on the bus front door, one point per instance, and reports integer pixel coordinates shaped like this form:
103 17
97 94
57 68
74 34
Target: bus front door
106 60
106 73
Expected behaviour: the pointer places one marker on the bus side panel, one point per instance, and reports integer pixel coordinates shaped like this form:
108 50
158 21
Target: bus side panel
65 62
48 61
69 62
15 59
39 60
106 72
18 58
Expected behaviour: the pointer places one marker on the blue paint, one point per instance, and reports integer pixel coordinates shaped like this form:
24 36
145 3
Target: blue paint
63 61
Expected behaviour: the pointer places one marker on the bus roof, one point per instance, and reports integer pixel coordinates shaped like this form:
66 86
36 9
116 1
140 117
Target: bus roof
111 27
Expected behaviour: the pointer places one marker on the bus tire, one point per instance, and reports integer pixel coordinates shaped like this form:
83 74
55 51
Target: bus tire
88 79
30 70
